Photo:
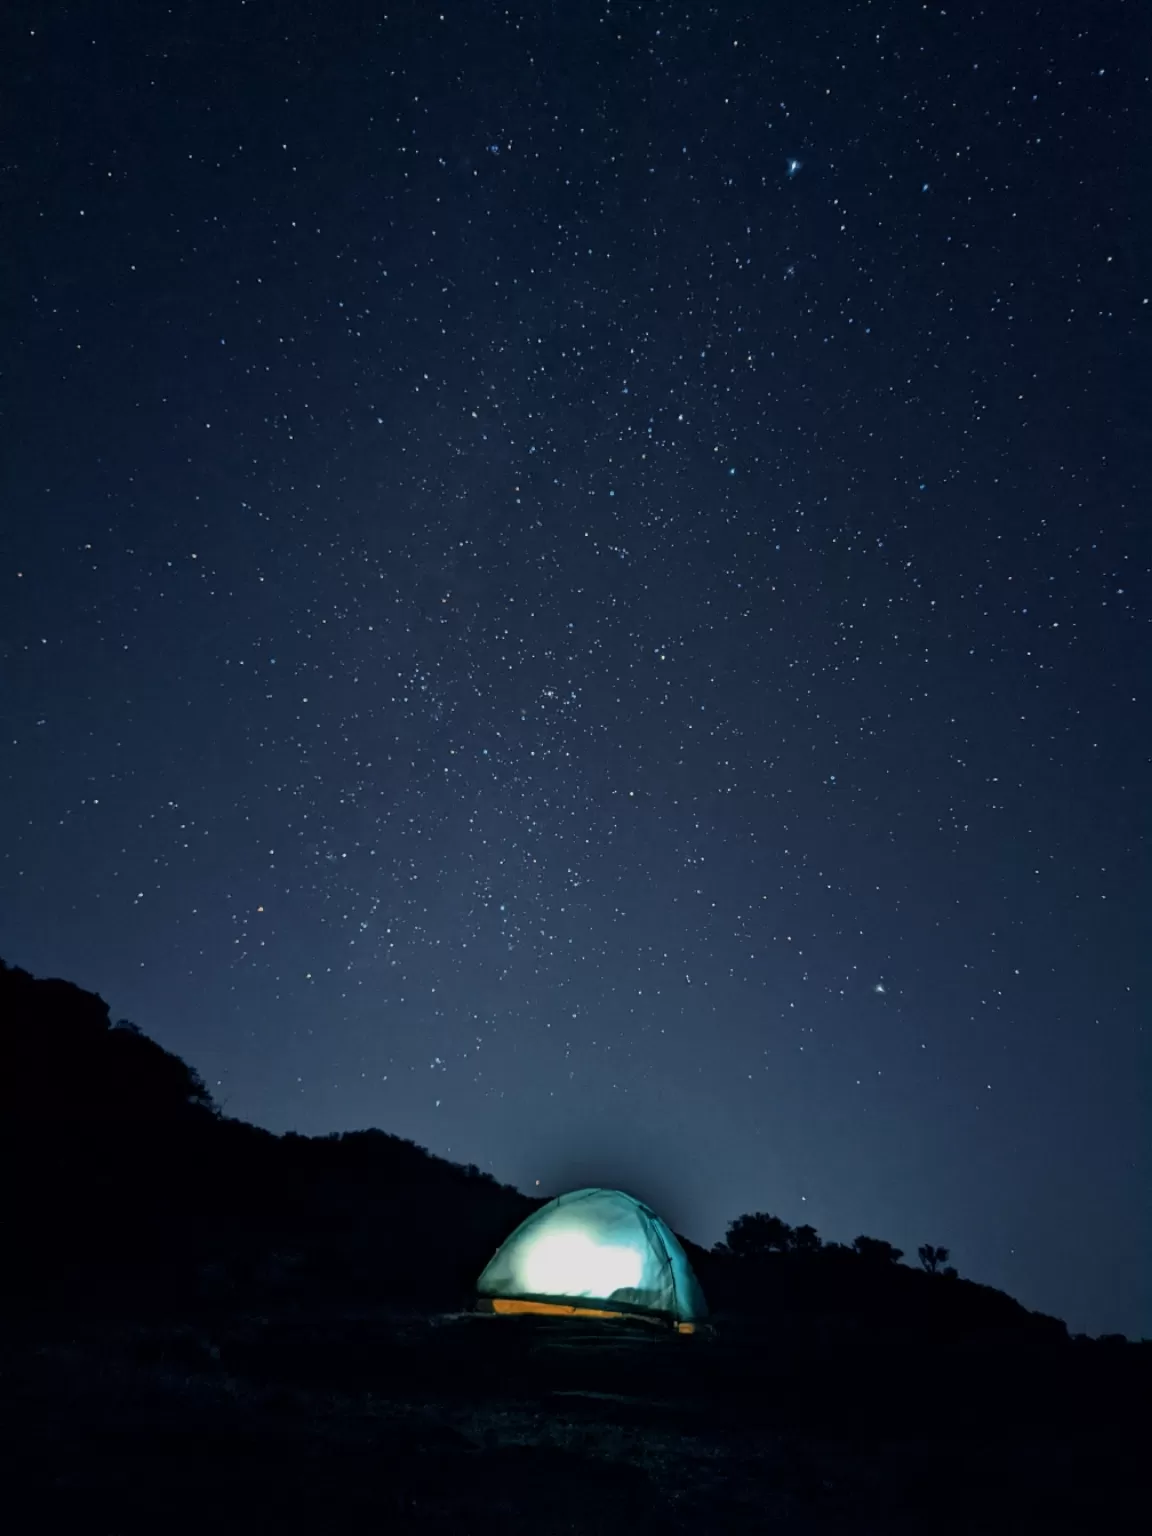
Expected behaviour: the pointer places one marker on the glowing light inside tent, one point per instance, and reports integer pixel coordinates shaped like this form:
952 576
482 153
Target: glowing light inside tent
571 1264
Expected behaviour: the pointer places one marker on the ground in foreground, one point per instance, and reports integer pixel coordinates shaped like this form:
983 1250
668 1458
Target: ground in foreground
462 1423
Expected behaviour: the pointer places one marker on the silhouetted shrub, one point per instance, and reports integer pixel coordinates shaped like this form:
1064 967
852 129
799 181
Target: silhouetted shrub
932 1258
876 1251
758 1233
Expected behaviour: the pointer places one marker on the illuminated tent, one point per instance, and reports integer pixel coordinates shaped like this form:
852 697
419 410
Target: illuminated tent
594 1253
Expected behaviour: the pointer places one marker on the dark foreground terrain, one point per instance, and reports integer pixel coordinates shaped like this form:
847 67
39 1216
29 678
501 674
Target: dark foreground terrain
404 1422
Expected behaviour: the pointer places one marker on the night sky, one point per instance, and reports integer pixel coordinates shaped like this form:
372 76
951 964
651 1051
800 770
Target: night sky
574 587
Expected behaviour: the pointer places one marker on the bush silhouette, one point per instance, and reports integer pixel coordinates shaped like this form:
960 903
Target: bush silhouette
758 1233
932 1258
876 1251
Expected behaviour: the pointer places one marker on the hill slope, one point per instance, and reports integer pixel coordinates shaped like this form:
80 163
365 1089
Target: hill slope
132 1179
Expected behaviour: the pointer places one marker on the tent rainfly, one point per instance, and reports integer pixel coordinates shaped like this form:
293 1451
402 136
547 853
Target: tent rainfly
594 1253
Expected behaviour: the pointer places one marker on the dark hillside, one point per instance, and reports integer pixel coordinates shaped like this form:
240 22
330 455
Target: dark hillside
132 1178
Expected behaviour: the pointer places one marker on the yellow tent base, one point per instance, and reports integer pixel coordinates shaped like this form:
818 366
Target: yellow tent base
511 1308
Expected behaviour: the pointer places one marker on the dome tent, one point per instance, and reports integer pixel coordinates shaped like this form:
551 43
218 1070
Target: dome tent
594 1253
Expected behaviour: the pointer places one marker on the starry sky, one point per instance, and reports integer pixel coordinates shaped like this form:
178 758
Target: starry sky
574 587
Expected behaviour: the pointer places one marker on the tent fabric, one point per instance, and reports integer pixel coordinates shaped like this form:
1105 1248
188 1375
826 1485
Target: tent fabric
594 1252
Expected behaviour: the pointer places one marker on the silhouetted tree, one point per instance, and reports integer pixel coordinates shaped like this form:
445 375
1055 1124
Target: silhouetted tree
932 1258
876 1250
757 1233
805 1239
